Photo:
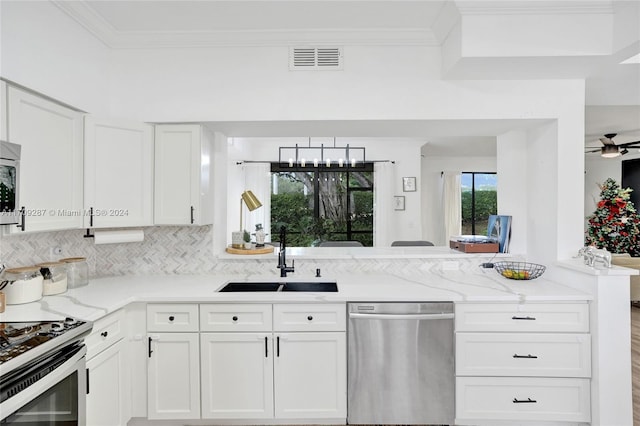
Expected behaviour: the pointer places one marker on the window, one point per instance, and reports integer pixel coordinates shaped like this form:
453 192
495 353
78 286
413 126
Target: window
479 200
322 204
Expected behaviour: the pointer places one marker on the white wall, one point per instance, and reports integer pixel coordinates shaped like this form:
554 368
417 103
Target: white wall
46 51
432 190
513 181
254 83
402 225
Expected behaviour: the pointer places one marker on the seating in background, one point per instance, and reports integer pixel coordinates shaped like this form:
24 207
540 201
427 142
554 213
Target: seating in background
340 244
411 243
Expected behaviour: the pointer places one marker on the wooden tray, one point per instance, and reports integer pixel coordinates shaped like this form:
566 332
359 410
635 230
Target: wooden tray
258 250
474 247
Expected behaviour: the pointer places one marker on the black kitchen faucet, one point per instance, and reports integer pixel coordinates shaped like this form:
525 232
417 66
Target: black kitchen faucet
282 256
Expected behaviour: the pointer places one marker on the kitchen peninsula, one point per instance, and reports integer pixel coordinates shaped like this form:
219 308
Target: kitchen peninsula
437 274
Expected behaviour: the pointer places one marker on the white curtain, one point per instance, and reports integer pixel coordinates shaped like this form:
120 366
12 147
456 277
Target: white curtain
383 225
452 204
257 178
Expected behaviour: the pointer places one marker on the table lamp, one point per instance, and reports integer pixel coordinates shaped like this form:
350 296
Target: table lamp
252 203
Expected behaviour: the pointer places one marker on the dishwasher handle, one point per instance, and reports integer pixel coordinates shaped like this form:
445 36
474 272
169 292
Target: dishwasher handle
401 316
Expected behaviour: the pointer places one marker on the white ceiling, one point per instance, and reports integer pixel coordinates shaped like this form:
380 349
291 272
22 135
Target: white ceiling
130 23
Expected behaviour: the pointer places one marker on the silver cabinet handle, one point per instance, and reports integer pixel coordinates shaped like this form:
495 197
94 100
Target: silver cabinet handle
525 356
401 316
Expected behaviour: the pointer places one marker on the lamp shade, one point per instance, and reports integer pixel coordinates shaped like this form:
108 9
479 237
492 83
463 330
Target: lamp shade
251 200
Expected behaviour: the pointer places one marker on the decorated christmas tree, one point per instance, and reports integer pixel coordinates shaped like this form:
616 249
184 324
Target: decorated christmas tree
615 225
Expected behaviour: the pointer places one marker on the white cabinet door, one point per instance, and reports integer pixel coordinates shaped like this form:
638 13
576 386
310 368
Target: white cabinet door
118 173
310 375
51 160
109 390
237 375
3 111
173 376
183 187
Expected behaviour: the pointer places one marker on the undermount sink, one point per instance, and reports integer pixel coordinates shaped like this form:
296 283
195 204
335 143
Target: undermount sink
255 286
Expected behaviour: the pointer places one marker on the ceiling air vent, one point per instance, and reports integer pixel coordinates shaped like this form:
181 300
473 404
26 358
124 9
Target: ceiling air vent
315 58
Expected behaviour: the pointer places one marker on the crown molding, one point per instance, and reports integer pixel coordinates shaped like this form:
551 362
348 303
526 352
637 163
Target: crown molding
93 22
535 7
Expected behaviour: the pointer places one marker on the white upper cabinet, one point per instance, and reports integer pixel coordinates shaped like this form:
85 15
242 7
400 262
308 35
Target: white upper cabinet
51 160
118 173
183 186
3 110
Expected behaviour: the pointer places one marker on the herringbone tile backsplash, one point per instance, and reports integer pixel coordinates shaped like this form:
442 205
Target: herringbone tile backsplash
165 250
189 250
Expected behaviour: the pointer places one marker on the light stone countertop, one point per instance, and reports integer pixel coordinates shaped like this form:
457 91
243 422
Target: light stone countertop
105 295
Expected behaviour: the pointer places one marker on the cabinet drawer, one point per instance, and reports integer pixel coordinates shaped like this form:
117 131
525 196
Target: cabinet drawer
309 317
172 317
235 317
557 317
521 399
528 354
106 331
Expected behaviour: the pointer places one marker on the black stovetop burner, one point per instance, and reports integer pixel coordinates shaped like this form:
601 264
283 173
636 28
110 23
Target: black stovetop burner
17 338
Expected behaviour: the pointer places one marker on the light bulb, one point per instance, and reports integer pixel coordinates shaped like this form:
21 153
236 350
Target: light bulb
303 162
340 162
315 162
290 162
328 162
353 162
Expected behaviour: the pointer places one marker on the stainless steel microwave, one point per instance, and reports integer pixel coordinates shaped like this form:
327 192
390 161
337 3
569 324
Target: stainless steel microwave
9 183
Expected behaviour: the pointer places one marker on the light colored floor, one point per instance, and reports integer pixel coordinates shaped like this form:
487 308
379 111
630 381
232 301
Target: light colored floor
635 362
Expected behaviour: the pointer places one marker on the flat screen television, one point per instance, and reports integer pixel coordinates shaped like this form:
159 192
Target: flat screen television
631 179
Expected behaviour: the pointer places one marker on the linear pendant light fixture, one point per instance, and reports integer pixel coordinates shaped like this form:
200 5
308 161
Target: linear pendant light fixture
322 156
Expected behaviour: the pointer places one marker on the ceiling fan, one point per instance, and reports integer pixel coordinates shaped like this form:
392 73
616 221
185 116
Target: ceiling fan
610 149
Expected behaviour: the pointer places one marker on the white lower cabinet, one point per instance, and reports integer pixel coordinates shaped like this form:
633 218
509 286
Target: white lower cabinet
523 399
109 387
237 375
247 361
173 368
522 362
173 384
310 375
286 364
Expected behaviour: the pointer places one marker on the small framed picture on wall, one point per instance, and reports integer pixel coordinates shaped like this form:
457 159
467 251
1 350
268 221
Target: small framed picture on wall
408 184
398 202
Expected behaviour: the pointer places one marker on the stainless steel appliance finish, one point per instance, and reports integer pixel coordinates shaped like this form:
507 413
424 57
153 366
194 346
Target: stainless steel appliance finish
9 183
43 372
401 363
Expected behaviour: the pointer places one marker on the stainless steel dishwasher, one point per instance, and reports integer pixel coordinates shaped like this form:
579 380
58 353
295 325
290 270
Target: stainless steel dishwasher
401 363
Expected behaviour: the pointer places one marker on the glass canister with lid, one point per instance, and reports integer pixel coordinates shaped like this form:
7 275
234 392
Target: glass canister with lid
54 275
77 271
21 285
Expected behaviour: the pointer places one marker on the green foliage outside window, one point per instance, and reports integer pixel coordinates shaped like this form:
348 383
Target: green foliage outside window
344 210
486 204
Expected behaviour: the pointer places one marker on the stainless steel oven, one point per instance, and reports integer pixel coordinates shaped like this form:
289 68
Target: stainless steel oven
9 183
43 373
